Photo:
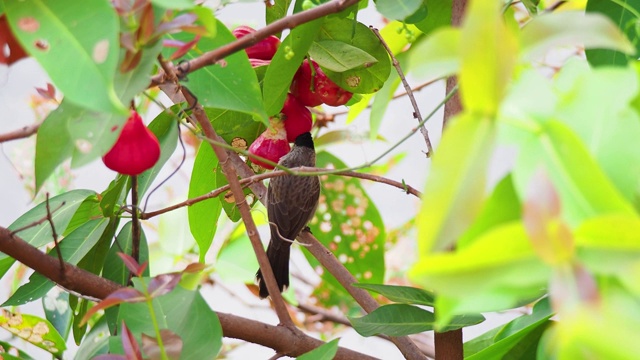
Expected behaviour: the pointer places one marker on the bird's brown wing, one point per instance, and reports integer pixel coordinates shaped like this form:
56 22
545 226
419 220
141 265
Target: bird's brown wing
294 205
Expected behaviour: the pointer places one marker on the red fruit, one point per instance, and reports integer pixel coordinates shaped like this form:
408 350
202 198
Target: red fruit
8 41
271 144
319 89
297 118
136 150
264 50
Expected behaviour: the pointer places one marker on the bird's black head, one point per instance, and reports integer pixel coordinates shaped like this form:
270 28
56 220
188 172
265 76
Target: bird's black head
305 140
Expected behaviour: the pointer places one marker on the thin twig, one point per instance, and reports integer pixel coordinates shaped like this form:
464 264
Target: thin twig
135 221
38 222
21 133
54 234
407 88
294 171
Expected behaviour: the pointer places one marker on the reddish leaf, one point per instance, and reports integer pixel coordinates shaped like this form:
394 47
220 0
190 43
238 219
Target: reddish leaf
49 93
8 41
147 26
171 341
176 24
163 283
117 297
130 61
194 268
110 357
132 265
184 48
129 344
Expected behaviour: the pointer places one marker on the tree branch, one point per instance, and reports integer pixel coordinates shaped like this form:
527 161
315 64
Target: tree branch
21 133
287 22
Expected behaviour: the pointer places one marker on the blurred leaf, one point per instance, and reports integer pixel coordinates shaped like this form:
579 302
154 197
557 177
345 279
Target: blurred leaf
439 15
510 341
437 55
383 98
455 186
501 207
63 207
584 189
348 223
234 265
323 352
231 84
339 56
73 248
400 294
53 143
165 127
82 36
477 278
194 321
96 342
34 330
397 9
10 348
361 80
203 216
571 28
595 104
531 6
285 63
277 10
174 4
622 15
488 50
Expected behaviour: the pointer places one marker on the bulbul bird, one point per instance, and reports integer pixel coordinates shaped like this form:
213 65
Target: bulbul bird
291 203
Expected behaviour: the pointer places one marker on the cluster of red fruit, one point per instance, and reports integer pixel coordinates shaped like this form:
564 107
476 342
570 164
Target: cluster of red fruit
310 87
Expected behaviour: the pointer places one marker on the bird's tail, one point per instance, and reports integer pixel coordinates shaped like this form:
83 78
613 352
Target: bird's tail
278 253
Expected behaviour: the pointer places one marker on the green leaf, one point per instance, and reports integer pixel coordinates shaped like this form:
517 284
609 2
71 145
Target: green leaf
114 195
277 10
501 207
194 321
437 55
488 50
620 13
203 216
338 56
361 80
348 223
584 189
285 63
400 294
455 187
397 9
509 340
324 352
57 311
234 265
82 37
10 348
477 278
383 98
165 127
24 326
174 4
96 342
439 15
73 248
571 28
231 85
63 207
595 104
53 143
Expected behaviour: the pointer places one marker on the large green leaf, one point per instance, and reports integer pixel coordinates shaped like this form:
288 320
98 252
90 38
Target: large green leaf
73 248
571 28
24 326
193 320
339 56
76 43
455 187
63 207
403 319
277 10
285 63
512 340
438 15
53 143
360 80
203 216
348 223
323 352
488 49
620 13
437 55
401 294
497 271
231 84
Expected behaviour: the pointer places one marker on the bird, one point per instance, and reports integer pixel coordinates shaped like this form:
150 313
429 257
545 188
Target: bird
291 203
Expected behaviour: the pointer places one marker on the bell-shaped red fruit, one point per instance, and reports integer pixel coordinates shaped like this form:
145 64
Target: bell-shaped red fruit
136 150
297 118
313 90
264 50
272 144
10 49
